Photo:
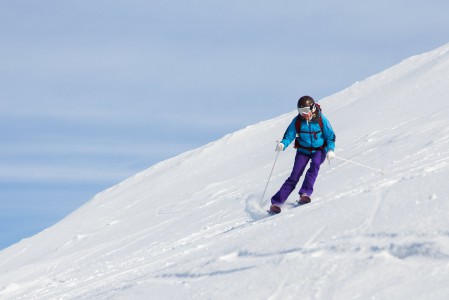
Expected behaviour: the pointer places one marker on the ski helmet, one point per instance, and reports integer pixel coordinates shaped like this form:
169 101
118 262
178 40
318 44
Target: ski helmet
306 107
306 101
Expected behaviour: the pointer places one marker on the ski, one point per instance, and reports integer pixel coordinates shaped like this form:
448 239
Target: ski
275 211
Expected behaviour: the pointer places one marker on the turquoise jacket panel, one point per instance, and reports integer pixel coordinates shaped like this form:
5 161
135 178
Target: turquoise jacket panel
311 135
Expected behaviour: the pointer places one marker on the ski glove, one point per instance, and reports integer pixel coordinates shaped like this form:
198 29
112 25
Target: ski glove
279 147
330 155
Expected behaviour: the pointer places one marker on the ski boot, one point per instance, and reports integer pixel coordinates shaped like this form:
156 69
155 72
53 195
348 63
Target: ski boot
275 209
304 199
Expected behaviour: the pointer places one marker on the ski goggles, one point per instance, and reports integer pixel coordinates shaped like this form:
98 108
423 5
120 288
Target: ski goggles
304 110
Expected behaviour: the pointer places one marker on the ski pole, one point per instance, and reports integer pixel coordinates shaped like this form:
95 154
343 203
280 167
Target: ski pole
269 177
359 164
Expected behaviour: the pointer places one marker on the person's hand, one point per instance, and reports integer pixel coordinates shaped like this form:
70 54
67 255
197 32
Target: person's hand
279 147
330 155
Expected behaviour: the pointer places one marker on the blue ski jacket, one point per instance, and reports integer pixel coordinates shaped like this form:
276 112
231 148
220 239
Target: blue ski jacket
311 137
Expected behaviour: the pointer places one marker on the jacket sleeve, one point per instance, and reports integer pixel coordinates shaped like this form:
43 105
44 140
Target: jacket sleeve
290 134
328 133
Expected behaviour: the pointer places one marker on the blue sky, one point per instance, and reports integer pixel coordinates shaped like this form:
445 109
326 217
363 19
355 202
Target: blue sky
92 92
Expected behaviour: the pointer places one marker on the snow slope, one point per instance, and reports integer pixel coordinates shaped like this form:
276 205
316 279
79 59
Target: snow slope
191 227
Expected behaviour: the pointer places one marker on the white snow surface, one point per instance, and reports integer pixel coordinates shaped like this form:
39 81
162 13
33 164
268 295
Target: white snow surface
191 227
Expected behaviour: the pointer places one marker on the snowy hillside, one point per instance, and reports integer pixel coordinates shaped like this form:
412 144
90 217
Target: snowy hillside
190 227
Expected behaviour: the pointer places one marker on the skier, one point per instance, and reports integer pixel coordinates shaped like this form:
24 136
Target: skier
314 141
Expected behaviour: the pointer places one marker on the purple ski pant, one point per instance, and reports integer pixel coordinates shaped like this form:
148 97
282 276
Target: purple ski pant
301 161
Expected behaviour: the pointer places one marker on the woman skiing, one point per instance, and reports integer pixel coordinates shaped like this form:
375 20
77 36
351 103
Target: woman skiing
314 141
